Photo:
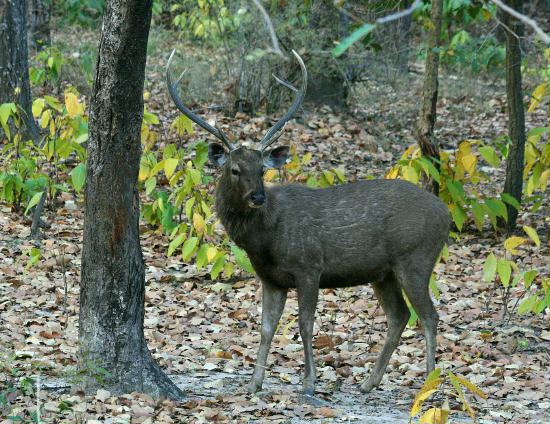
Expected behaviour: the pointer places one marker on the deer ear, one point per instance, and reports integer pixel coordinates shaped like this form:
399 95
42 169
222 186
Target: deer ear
276 157
216 154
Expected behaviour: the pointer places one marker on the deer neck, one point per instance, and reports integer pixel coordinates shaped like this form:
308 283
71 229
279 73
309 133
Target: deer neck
241 222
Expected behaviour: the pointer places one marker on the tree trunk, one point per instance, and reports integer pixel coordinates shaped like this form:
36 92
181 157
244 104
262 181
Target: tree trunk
14 68
113 277
426 139
516 115
39 17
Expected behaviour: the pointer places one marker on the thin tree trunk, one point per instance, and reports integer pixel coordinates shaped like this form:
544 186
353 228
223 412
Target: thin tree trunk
113 277
39 17
513 184
14 68
426 139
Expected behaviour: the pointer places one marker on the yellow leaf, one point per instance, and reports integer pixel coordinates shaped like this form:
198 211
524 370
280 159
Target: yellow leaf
38 107
211 253
410 174
512 242
270 175
434 416
45 119
409 151
537 96
469 161
198 222
71 103
143 174
471 386
170 166
543 180
419 400
532 233
394 172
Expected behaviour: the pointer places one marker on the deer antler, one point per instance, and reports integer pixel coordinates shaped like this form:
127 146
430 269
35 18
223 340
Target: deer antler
272 135
173 89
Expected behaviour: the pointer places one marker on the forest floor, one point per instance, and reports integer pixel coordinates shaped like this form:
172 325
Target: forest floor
205 333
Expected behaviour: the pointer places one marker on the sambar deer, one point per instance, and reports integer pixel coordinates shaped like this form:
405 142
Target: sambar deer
386 232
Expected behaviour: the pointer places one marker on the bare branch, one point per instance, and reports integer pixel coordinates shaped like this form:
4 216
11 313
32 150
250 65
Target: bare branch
401 14
525 19
274 41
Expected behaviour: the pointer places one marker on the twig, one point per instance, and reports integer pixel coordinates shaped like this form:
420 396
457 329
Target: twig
36 216
274 41
525 19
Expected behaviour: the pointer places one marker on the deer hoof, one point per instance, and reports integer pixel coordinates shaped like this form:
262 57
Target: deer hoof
368 385
309 391
253 387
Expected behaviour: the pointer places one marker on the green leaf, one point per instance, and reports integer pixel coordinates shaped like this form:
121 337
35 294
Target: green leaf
532 233
78 176
201 260
511 200
498 207
170 166
490 268
528 277
459 216
527 304
479 214
456 190
490 156
174 244
182 124
217 267
536 133
429 168
34 201
242 259
150 185
355 36
504 270
189 247
189 207
6 109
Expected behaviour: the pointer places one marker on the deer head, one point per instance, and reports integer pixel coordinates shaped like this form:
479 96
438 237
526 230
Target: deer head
243 168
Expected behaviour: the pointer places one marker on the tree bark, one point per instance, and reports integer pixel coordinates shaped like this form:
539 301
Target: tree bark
14 68
39 17
513 184
428 113
113 277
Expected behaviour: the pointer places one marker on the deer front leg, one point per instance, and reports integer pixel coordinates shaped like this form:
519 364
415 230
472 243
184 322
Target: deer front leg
308 292
273 303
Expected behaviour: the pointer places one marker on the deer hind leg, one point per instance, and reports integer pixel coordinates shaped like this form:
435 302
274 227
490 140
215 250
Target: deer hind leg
308 293
414 277
273 303
390 297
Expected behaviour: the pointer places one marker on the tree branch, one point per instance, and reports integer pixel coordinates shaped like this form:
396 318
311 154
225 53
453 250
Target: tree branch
274 41
525 19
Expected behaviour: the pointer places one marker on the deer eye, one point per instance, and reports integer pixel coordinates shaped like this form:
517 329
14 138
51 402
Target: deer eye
235 171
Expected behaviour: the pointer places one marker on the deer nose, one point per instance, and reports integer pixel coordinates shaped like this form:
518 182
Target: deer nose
258 199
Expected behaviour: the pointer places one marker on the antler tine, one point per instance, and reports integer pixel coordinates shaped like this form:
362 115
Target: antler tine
173 90
269 137
284 83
